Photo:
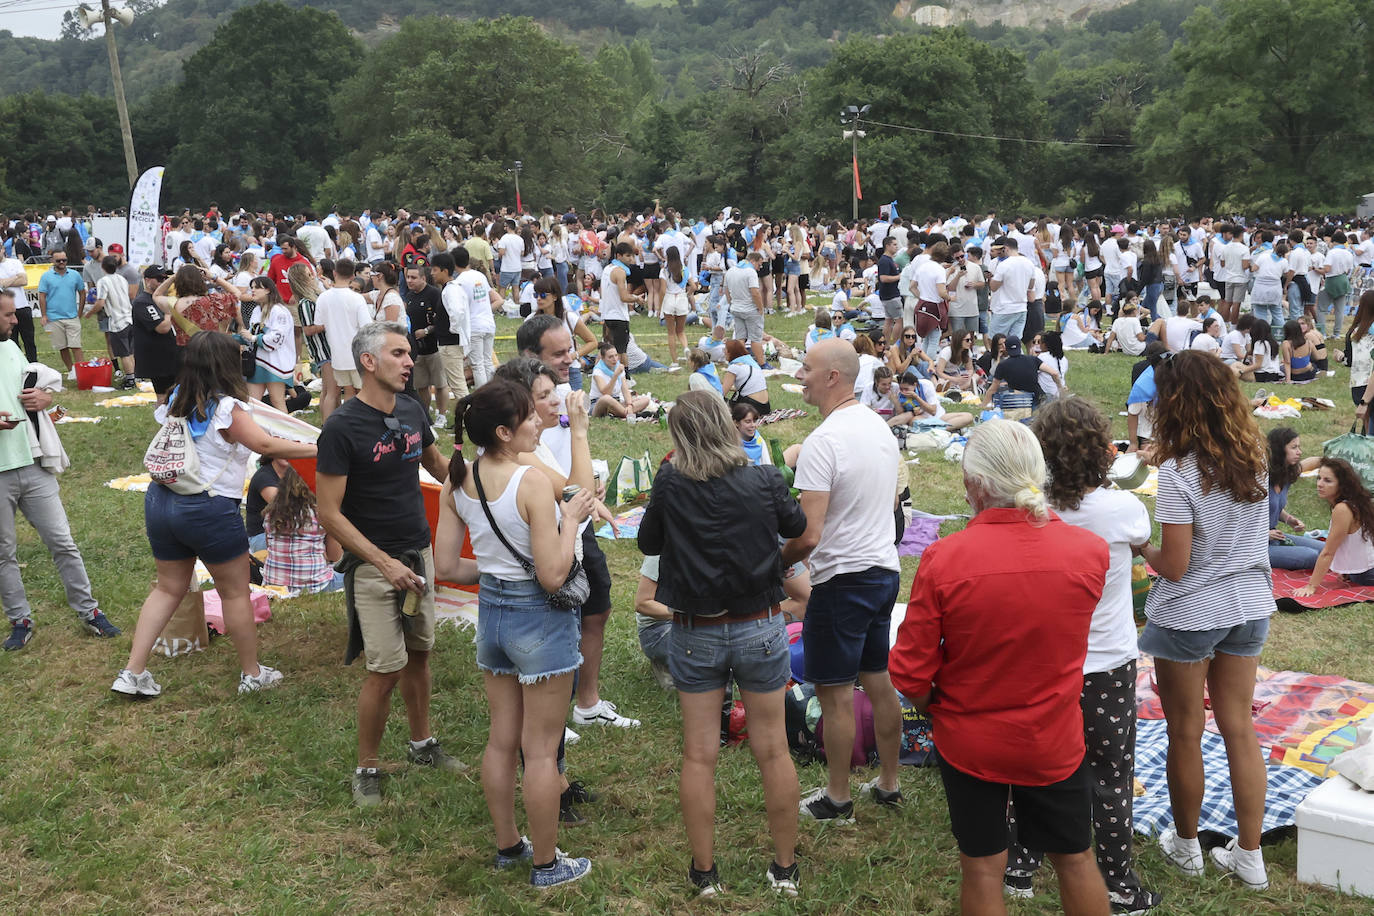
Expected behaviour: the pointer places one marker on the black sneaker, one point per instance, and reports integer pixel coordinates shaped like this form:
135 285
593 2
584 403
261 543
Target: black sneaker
1018 885
579 794
819 807
19 636
569 815
100 625
880 795
367 787
783 881
1142 902
707 882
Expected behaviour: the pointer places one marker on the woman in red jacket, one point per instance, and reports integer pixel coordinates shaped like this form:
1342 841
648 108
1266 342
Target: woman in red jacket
962 652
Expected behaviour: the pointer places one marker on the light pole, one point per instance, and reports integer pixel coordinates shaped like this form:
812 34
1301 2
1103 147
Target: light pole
516 171
849 117
109 16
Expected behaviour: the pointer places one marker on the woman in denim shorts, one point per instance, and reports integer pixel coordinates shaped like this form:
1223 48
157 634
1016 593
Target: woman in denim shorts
1208 613
721 574
212 396
527 648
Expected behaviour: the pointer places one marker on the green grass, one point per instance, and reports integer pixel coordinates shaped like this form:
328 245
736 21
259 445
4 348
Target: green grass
205 802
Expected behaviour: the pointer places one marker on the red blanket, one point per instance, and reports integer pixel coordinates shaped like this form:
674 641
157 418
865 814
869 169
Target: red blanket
1333 592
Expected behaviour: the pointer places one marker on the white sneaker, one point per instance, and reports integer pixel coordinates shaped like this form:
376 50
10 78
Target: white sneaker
1245 864
265 679
71 375
570 736
440 421
603 713
1185 855
136 685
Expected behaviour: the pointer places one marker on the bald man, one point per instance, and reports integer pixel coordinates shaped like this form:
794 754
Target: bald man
847 475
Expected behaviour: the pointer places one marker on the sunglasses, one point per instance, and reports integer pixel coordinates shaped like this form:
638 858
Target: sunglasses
543 295
392 424
59 260
908 337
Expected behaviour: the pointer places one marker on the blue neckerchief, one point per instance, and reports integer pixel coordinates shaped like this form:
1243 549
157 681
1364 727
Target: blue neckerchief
616 262
709 370
603 368
753 448
194 423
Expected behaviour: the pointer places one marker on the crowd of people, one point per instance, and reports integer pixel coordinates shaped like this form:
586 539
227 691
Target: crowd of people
395 316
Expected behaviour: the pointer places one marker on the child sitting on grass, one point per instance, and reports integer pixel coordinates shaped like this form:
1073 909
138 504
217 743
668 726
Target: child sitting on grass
300 556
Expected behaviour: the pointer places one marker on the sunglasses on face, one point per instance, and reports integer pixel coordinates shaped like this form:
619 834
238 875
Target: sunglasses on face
59 260
908 337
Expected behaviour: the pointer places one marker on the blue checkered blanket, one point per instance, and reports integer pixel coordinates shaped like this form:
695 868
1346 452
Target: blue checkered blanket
1288 786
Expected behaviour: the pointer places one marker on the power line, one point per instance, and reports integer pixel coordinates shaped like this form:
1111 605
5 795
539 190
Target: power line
14 6
954 133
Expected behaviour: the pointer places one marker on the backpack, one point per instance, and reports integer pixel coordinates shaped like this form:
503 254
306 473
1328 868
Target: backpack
801 739
172 461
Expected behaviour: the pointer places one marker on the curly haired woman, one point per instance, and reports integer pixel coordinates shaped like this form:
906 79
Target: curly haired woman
1208 613
1349 548
1076 439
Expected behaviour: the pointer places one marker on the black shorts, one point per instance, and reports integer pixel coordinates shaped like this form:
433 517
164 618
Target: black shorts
1054 819
163 383
765 268
618 331
652 271
598 575
634 276
121 342
1094 274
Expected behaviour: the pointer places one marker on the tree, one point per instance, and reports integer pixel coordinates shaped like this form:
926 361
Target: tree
61 148
253 109
1275 105
438 113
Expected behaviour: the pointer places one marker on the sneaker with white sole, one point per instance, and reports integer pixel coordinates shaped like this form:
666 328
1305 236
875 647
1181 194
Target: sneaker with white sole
100 625
440 421
1018 885
367 787
1245 864
707 882
1137 904
20 634
783 881
136 685
432 754
265 679
1185 855
880 795
603 713
818 807
564 870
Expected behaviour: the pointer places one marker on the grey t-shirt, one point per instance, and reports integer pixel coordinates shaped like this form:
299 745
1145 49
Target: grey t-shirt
739 280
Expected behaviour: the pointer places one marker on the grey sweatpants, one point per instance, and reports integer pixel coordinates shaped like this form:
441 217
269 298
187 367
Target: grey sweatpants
34 492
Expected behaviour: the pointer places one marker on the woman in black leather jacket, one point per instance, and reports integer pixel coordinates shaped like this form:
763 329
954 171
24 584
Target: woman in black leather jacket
720 572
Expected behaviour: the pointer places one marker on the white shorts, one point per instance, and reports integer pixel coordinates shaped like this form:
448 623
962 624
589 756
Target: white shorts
675 303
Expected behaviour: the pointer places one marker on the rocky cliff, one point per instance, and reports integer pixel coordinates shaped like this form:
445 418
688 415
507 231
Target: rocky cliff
1012 13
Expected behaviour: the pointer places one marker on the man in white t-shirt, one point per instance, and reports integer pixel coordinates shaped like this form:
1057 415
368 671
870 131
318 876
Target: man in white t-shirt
1335 291
1233 275
1300 262
482 302
376 247
442 273
1011 283
14 278
743 292
850 539
511 248
313 236
343 312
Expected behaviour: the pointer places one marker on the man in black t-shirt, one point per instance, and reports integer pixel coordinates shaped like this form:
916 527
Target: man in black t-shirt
428 322
888 293
368 487
1018 379
156 354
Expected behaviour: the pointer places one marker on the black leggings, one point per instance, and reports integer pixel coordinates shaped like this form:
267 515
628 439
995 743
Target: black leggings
24 327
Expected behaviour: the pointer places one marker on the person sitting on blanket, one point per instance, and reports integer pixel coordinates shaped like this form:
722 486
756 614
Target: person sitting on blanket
300 555
796 579
918 404
880 398
1349 548
1286 465
1076 439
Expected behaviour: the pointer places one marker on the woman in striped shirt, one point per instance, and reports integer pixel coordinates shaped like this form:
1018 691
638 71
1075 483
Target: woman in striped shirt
1208 613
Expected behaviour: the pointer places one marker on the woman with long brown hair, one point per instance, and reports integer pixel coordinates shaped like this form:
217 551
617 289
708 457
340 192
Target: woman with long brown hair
211 396
1349 548
1208 613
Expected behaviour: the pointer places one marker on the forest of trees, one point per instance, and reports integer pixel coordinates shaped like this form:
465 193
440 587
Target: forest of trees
1156 106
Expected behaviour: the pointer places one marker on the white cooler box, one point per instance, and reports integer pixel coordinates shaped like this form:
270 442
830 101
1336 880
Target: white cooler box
1336 837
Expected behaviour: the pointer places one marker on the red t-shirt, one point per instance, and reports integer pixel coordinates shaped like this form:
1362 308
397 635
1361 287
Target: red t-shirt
997 627
276 272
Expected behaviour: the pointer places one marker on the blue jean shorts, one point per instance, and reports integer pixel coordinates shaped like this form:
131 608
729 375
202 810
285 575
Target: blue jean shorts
847 625
508 278
183 527
753 652
520 633
1246 639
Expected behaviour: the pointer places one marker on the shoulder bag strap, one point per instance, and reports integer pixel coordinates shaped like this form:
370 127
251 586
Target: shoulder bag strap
482 498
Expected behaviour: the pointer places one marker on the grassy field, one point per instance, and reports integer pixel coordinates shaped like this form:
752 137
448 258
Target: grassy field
204 801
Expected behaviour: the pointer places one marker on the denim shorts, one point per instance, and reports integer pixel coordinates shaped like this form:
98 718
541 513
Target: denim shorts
520 633
847 625
183 527
508 278
753 652
1246 639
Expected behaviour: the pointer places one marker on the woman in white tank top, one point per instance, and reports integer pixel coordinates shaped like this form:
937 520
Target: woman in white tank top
1349 548
527 649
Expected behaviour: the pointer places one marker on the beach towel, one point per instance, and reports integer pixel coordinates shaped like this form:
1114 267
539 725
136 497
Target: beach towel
1332 592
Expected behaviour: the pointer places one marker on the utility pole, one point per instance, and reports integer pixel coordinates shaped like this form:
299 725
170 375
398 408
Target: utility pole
849 117
121 106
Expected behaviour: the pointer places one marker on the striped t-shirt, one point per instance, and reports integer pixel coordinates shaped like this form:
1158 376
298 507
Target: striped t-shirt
1228 580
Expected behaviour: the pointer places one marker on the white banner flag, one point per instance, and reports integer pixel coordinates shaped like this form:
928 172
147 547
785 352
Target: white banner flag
144 245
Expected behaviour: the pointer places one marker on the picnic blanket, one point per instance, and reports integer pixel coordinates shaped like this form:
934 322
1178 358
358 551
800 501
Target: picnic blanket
1317 749
782 413
455 606
1332 592
135 483
628 522
139 399
1288 785
69 418
1289 706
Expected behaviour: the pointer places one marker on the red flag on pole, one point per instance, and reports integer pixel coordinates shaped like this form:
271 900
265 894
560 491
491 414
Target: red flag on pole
858 189
518 208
